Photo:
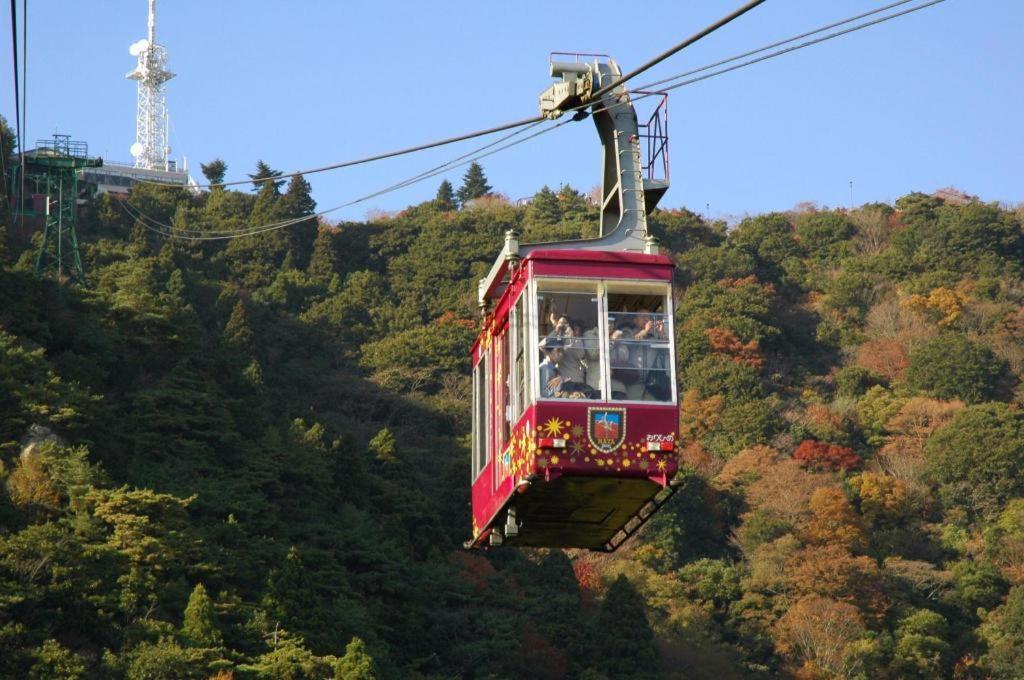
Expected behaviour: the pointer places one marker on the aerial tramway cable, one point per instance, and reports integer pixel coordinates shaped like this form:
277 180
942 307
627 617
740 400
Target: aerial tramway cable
821 29
222 235
677 48
479 133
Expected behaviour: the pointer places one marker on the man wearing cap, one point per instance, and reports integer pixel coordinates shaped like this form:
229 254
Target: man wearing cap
550 378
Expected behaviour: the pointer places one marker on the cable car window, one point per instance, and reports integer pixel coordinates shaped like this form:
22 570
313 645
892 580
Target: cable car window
569 343
479 433
503 393
639 347
520 341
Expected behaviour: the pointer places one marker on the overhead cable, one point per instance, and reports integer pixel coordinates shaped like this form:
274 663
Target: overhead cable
214 236
499 128
668 53
17 88
376 157
450 164
787 50
651 86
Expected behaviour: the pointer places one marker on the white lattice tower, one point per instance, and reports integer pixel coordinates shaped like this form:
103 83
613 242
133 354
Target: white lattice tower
152 144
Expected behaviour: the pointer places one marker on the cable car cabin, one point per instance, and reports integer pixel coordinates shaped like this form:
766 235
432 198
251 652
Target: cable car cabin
574 399
575 409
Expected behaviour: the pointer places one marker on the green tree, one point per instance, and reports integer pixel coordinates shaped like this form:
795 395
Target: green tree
214 171
978 458
474 184
445 199
921 647
953 367
298 202
55 662
825 235
324 262
238 331
266 176
200 625
357 664
165 660
1003 633
621 638
544 208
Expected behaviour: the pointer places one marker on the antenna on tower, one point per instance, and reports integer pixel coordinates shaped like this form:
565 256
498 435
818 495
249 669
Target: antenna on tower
152 143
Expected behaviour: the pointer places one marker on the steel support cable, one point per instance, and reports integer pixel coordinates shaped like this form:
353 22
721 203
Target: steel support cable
499 128
24 102
407 182
793 48
423 175
369 159
692 80
272 227
677 48
17 86
778 43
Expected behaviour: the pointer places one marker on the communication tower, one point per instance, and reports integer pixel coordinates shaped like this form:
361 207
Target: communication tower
152 144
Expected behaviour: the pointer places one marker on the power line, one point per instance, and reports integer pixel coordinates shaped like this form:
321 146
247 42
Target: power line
220 236
17 88
376 157
423 175
450 164
668 53
794 48
499 128
649 86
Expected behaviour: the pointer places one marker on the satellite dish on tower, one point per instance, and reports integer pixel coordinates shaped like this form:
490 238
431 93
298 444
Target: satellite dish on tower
138 47
137 149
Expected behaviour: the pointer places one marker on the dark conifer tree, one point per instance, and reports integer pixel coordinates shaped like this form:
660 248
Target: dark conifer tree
214 172
622 637
200 625
297 202
323 264
474 184
357 664
544 208
265 172
297 199
237 332
445 199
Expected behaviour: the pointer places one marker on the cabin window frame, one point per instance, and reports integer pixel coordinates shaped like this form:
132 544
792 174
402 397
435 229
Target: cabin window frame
603 288
482 404
647 287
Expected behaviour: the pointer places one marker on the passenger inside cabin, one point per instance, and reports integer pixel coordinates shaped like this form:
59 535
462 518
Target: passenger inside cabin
649 358
619 354
558 372
550 379
573 364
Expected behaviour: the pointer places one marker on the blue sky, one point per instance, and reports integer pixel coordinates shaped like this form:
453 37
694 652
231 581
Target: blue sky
926 101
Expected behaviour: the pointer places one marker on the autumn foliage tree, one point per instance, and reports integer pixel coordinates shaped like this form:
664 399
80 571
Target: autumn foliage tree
824 456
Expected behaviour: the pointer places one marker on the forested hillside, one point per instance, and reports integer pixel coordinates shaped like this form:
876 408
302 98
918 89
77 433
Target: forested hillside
249 458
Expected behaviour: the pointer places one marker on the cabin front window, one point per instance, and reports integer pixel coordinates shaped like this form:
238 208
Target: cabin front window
604 340
639 347
569 343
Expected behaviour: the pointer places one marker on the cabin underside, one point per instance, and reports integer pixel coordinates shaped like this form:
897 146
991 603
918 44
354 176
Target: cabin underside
577 512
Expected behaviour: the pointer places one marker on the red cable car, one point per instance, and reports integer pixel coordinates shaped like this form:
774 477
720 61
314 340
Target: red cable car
575 408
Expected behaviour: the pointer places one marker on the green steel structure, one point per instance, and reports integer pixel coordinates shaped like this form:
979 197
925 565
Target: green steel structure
50 190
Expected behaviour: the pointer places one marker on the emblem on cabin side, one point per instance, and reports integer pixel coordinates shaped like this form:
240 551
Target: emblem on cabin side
606 428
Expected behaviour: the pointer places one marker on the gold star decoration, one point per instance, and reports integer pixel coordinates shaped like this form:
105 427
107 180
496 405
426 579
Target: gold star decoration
577 430
553 427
